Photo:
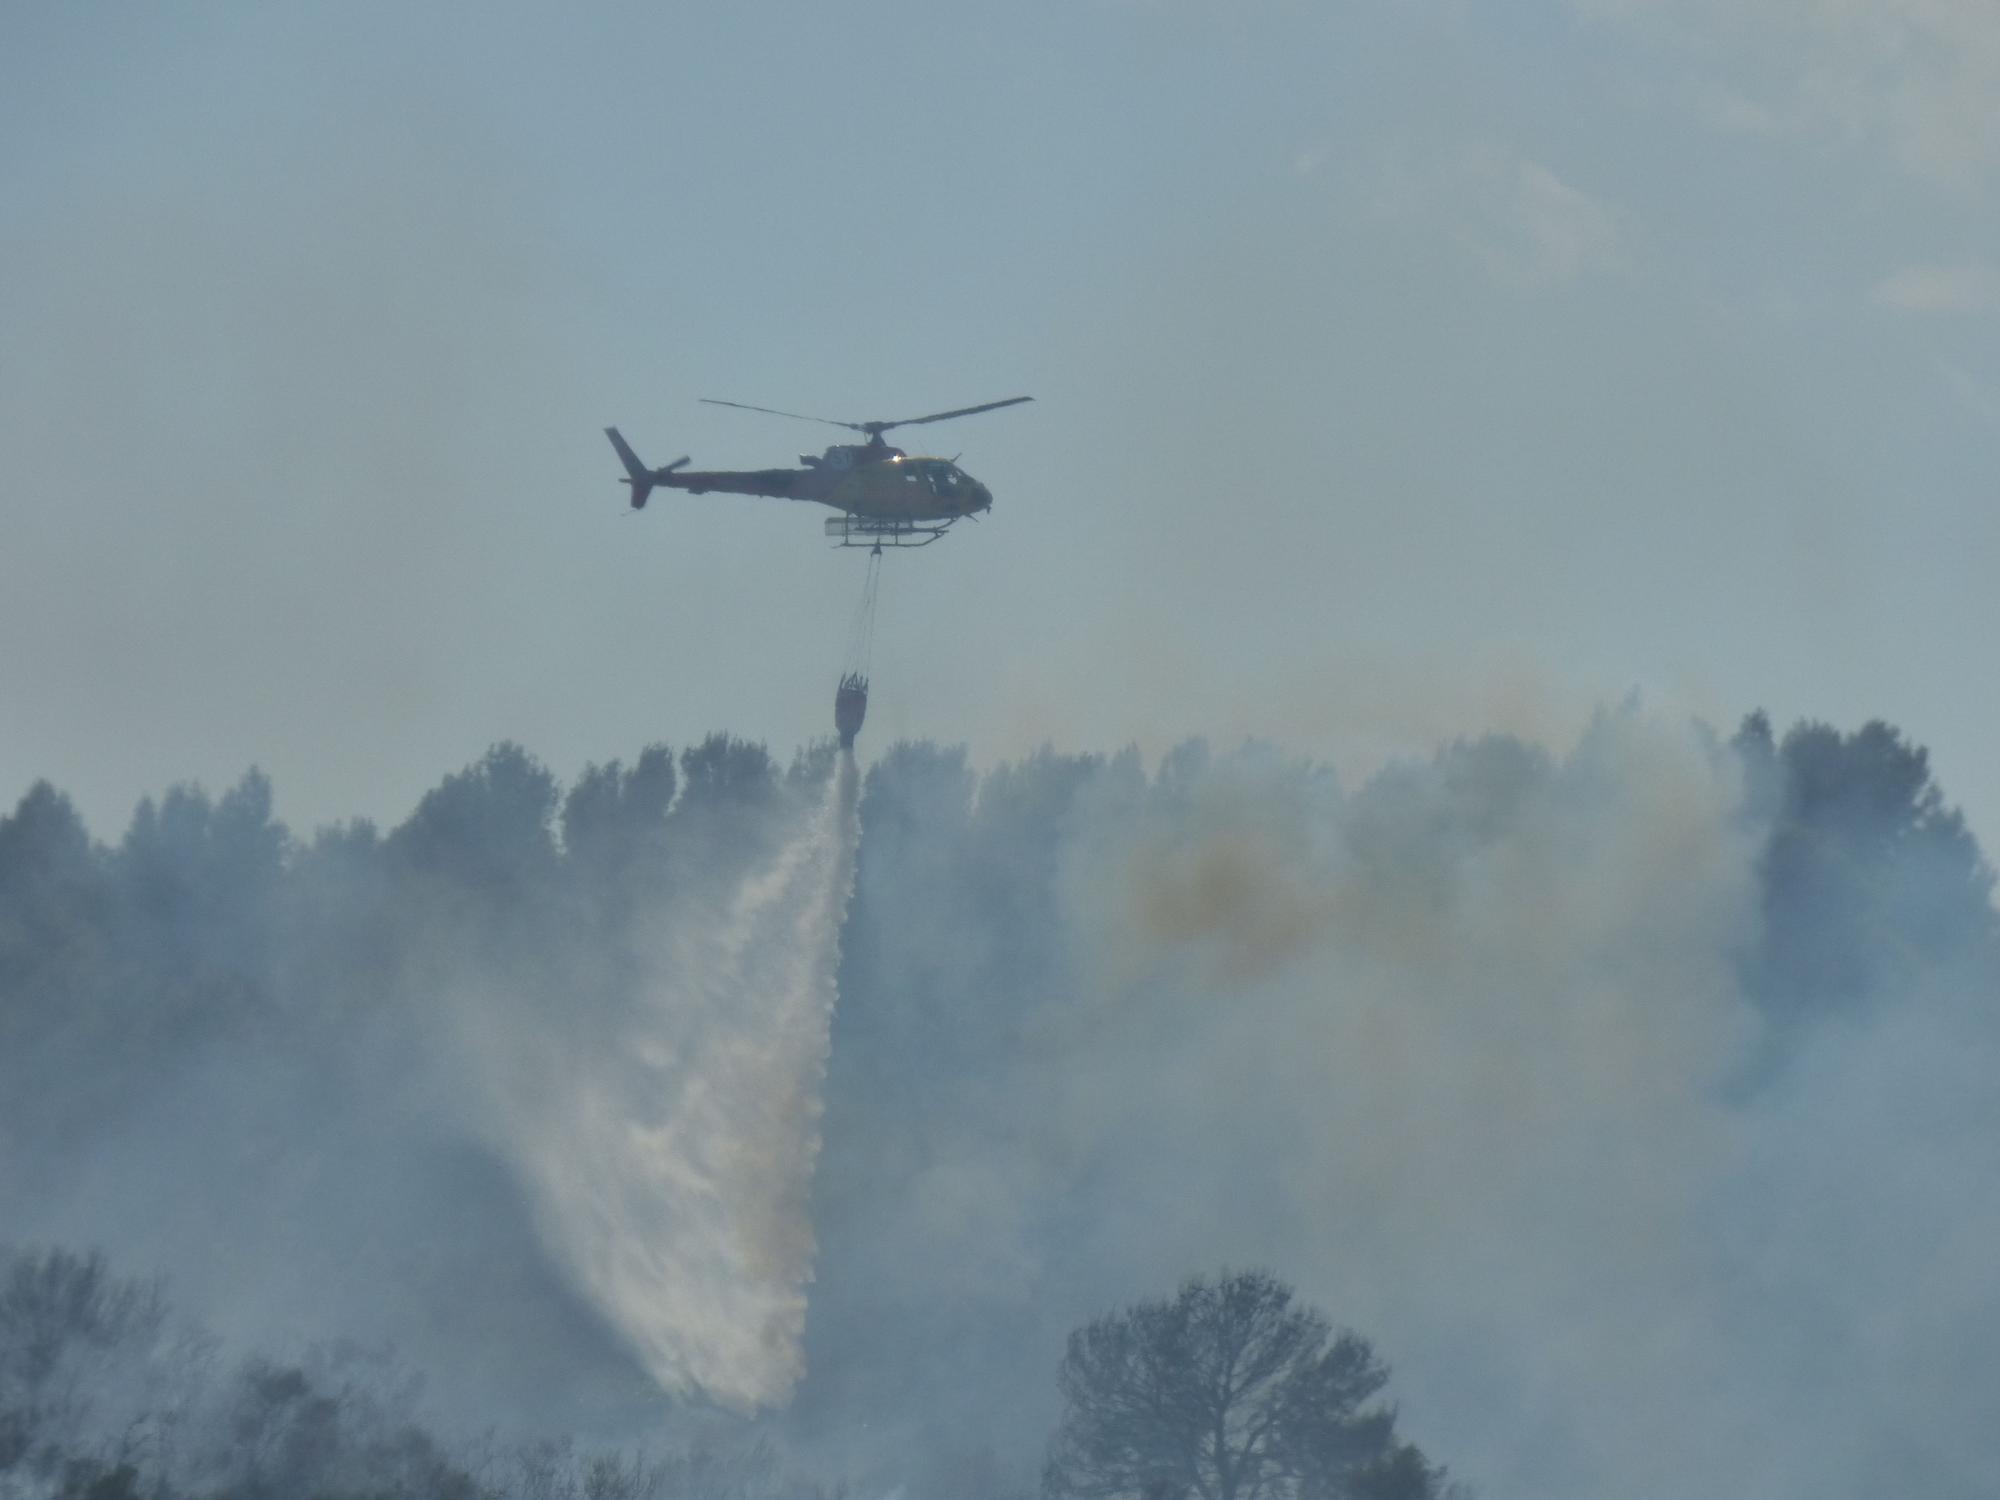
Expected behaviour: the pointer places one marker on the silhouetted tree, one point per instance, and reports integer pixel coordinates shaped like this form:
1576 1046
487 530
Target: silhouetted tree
723 772
198 882
812 765
720 825
487 828
289 1433
57 918
64 1322
1869 880
613 816
49 874
1227 1392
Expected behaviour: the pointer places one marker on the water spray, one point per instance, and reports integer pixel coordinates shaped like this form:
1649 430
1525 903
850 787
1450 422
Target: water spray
672 1171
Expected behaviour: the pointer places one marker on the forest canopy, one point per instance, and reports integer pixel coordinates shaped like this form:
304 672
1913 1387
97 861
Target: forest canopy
1479 1054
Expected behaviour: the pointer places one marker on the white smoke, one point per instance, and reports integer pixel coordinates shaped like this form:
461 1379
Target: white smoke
1468 1055
671 1169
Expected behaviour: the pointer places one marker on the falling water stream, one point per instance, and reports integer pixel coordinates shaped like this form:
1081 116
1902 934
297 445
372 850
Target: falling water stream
673 1176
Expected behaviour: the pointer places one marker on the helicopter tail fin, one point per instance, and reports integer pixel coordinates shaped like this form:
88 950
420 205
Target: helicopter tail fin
641 478
637 474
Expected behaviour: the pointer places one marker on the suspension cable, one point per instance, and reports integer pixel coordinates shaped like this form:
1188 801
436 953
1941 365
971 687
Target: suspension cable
861 632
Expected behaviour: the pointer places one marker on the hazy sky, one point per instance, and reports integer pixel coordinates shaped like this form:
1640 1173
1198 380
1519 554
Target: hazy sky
1401 370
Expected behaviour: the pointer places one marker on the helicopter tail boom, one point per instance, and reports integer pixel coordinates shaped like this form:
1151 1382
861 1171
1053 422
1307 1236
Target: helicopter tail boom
641 478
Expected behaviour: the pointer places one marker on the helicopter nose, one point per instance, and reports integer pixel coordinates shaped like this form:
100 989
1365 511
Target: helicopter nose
982 497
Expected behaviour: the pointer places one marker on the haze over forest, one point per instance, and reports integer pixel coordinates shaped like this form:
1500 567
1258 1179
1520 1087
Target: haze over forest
442 1110
1630 1097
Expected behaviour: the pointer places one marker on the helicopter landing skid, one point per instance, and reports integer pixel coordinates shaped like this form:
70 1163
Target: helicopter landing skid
861 531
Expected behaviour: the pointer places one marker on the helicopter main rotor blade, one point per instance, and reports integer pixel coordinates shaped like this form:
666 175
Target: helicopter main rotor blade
772 411
938 416
873 429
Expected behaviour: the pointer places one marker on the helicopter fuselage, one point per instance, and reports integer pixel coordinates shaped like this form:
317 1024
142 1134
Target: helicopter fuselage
880 484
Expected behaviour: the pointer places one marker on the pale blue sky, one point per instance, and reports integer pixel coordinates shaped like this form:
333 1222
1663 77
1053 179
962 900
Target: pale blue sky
1401 370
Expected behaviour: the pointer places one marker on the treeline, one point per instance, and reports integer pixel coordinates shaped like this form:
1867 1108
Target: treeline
1067 1062
209 917
209 924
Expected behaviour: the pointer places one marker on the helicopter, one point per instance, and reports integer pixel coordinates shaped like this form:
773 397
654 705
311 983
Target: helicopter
885 496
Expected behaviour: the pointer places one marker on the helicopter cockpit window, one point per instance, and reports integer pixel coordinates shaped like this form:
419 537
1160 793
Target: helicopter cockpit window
944 480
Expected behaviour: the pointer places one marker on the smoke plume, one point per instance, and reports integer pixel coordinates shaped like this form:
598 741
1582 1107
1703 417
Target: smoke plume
1629 1096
